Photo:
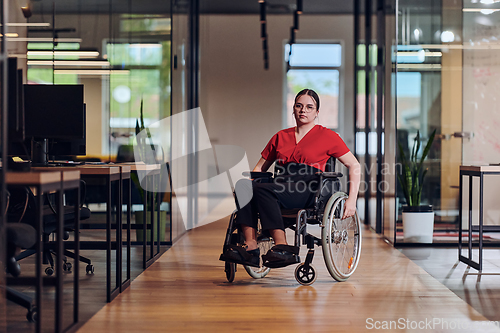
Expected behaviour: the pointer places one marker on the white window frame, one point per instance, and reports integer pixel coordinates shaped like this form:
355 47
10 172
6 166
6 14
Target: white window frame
340 69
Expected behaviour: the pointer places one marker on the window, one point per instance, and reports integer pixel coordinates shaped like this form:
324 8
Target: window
315 66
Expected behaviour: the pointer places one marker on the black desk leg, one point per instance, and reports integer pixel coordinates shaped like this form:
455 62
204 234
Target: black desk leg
152 234
127 194
129 213
460 207
481 183
76 268
470 217
108 240
39 254
145 197
59 261
119 234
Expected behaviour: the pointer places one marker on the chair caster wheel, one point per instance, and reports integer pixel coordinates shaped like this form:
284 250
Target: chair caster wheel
230 269
49 271
305 276
67 267
89 269
32 315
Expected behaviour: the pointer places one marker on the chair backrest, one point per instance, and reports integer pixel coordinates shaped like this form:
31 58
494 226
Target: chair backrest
330 164
329 186
19 235
126 153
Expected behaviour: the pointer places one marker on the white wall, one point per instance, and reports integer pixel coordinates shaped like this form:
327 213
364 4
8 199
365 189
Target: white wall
241 102
95 124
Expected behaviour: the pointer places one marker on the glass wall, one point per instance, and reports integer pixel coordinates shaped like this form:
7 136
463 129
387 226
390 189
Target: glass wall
447 81
418 89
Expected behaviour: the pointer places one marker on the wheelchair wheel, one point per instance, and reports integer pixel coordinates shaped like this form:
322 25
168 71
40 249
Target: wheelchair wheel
341 239
305 276
264 243
230 269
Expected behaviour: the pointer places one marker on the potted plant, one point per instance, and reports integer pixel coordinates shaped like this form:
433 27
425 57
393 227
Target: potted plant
418 220
139 215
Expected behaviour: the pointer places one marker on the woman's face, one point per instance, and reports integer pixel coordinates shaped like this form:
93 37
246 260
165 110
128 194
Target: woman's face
305 110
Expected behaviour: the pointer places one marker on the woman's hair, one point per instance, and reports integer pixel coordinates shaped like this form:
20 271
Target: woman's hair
311 93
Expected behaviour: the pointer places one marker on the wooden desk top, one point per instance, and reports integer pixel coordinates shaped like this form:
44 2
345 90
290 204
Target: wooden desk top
70 175
141 166
480 168
125 168
33 178
99 169
85 169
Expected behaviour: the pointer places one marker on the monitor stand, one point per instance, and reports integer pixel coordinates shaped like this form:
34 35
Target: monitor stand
39 152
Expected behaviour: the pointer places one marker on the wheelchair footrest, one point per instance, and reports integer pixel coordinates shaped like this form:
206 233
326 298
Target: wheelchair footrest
279 264
281 256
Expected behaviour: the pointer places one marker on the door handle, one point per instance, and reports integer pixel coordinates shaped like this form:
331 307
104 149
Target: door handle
463 135
466 135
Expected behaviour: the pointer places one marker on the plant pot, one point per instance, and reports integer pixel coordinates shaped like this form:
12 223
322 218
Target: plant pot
139 221
418 224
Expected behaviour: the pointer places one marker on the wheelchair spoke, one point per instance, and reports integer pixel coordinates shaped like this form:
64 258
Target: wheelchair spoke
341 240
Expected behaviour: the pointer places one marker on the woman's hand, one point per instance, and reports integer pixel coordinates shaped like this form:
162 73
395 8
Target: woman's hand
350 207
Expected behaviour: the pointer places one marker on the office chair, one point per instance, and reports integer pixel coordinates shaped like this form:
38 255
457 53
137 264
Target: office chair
23 209
19 235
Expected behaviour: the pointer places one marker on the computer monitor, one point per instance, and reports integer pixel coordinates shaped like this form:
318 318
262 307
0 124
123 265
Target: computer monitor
54 111
54 120
61 148
15 102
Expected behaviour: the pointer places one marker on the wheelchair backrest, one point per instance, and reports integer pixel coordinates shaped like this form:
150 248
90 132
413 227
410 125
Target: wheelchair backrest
330 164
329 186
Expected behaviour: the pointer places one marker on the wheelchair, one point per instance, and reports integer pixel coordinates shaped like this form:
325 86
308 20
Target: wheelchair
340 238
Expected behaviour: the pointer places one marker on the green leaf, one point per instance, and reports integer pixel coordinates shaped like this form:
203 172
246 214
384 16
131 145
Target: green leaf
137 127
412 178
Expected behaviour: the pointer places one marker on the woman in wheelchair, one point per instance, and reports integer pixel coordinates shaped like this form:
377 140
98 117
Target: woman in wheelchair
299 152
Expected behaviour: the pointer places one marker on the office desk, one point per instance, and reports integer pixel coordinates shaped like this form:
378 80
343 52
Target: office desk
110 174
473 171
153 172
44 182
126 187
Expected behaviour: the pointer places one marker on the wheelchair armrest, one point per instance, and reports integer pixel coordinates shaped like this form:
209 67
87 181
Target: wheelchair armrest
256 175
330 174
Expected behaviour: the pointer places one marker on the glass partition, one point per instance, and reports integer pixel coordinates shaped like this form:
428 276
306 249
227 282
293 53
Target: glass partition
418 96
447 81
121 53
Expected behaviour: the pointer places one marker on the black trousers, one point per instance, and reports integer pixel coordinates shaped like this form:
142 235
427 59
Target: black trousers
295 187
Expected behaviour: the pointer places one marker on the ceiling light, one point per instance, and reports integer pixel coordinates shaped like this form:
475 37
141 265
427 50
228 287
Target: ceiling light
80 53
419 53
419 66
91 72
10 34
447 36
101 63
150 45
46 39
27 24
479 10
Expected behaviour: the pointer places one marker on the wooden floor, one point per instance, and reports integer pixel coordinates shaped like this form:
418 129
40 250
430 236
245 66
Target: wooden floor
186 291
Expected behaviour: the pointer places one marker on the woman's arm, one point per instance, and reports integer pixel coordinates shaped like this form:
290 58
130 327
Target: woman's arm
352 164
262 165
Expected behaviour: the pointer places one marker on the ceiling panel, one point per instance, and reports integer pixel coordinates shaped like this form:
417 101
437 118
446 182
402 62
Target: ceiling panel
206 6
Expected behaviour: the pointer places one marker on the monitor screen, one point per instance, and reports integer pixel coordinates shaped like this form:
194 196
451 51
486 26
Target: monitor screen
54 111
58 149
63 148
15 102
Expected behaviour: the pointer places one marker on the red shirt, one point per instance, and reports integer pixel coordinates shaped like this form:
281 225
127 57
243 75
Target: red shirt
314 149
